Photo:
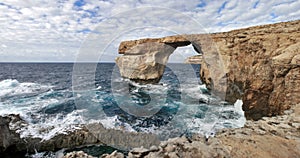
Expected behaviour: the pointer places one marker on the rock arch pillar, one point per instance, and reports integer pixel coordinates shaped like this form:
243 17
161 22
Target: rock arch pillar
144 60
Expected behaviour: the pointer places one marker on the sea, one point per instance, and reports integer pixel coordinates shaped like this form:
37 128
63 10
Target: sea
55 98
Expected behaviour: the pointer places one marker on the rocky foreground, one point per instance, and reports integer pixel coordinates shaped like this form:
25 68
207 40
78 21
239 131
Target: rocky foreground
13 145
270 137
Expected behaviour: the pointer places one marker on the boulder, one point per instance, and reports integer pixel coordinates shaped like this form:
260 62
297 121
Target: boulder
10 141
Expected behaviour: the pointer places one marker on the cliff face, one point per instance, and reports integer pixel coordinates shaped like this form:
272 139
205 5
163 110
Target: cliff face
259 64
263 67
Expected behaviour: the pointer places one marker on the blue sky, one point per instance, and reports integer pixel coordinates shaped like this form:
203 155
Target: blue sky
42 30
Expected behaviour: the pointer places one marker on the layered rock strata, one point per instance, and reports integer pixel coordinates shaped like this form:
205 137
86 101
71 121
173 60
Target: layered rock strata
260 65
144 60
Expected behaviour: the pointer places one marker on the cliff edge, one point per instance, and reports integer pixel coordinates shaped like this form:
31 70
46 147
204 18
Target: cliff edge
259 64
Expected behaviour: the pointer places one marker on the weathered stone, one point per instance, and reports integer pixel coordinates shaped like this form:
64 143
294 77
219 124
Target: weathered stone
9 139
94 133
77 154
258 64
147 67
262 139
154 148
126 47
170 148
114 154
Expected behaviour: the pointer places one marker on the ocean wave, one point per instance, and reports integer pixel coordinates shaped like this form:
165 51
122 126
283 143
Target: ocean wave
12 87
185 108
48 127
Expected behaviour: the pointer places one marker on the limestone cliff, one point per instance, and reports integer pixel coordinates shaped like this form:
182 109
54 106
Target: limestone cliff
259 64
144 60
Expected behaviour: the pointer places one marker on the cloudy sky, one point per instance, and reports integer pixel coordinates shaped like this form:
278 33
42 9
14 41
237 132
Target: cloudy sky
61 30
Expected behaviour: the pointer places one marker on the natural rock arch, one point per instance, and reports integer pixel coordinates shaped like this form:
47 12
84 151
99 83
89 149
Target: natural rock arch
260 64
144 60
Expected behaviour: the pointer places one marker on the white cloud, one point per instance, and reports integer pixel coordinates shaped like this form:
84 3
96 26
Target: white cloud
54 30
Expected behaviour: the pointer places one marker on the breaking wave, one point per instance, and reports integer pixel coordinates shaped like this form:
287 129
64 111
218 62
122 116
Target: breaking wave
50 107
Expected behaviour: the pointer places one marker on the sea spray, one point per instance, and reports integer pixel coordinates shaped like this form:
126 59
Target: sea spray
48 104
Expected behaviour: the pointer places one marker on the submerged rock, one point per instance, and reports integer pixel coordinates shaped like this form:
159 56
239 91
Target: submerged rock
259 64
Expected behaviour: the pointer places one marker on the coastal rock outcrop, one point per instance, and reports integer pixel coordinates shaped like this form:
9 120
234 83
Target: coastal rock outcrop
270 137
259 64
144 60
95 133
8 137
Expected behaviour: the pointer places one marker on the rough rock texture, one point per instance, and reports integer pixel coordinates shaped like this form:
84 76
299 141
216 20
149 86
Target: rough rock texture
270 137
114 154
144 60
10 141
77 154
258 64
9 138
263 67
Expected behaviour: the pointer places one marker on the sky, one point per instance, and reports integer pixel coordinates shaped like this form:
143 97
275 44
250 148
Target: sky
91 30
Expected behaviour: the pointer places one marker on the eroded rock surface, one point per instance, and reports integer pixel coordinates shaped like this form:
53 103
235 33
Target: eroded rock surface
95 133
144 60
263 67
270 137
258 64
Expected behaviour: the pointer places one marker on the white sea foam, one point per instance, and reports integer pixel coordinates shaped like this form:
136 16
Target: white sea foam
52 126
12 87
238 108
38 125
23 108
115 123
22 105
208 125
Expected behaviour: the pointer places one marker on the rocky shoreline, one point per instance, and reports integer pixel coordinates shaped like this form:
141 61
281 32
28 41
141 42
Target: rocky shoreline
277 136
270 137
261 65
90 134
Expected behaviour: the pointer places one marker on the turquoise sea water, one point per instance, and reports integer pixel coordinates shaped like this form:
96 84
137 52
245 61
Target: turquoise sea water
47 99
